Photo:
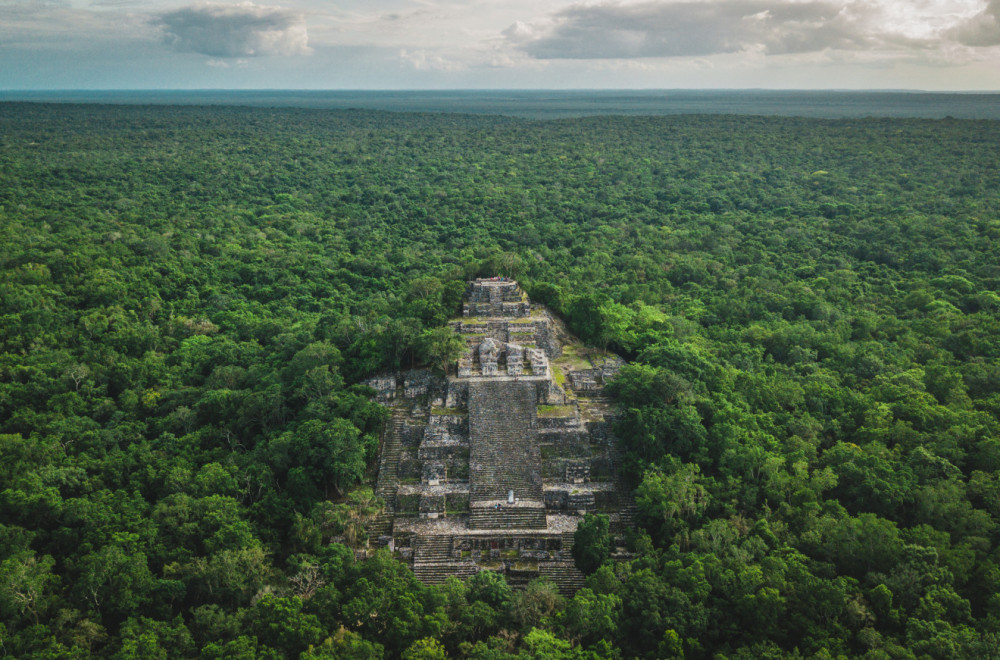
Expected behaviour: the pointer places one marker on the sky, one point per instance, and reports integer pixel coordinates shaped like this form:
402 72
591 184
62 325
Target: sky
500 44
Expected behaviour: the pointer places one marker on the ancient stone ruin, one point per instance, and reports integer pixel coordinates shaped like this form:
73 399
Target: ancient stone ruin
492 466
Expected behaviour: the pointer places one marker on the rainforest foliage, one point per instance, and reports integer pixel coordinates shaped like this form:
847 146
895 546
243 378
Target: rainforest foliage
191 298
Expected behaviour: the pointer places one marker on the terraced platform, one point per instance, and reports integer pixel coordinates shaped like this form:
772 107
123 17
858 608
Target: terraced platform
492 466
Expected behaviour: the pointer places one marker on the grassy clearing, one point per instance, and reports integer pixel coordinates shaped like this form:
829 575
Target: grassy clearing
557 374
449 411
576 357
556 411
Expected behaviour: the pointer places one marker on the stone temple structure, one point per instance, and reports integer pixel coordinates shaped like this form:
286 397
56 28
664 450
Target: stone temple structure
492 466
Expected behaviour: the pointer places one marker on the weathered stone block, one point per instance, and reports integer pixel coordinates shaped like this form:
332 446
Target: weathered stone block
407 503
602 469
549 423
385 388
410 469
605 500
577 473
411 436
433 473
555 499
582 501
458 395
431 504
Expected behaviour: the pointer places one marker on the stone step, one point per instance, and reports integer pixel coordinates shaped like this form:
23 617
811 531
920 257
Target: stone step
566 576
388 477
507 518
438 572
382 525
432 549
503 453
626 518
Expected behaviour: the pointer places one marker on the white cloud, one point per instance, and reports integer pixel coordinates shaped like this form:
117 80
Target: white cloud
983 29
698 28
59 26
942 44
241 30
227 63
422 60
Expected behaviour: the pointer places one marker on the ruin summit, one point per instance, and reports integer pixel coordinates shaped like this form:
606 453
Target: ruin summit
492 466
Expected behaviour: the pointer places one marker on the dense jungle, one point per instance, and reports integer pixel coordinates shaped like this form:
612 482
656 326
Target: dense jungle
191 299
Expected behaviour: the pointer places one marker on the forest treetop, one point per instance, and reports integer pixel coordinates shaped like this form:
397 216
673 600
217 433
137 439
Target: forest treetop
189 298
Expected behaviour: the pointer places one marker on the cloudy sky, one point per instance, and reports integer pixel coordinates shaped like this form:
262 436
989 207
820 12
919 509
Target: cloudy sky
453 44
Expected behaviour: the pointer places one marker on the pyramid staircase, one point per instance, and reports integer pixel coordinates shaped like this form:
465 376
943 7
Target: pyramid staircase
496 301
433 562
504 456
388 477
437 573
564 573
432 549
519 517
626 503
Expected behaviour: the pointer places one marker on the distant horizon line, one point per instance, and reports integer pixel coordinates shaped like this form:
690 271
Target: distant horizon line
557 103
896 90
